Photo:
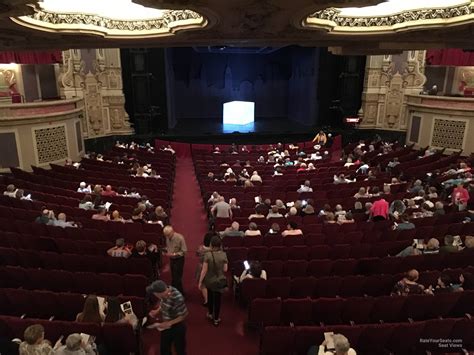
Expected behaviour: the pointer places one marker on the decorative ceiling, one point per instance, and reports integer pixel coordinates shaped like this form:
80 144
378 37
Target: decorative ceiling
346 26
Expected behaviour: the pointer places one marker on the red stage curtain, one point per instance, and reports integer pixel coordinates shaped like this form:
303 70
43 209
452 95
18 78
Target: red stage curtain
453 57
31 57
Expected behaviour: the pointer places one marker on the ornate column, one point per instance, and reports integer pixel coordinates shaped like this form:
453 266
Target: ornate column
96 76
388 78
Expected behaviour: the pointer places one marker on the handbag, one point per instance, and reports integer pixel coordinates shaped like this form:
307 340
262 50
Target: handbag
217 282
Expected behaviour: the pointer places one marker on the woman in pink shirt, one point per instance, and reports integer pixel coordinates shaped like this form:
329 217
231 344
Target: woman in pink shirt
379 210
460 197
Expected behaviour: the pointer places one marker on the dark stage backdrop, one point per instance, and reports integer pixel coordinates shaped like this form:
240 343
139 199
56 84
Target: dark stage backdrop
282 83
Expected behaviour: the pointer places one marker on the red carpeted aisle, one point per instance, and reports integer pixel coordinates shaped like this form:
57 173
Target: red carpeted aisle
188 217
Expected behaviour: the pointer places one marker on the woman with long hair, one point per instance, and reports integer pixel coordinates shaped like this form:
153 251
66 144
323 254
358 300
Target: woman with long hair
91 311
214 267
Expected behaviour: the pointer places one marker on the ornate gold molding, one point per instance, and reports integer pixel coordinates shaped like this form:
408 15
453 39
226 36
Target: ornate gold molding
171 22
333 21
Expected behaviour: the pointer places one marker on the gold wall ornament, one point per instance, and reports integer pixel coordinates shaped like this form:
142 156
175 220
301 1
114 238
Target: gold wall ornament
94 75
171 22
334 21
51 144
388 79
448 133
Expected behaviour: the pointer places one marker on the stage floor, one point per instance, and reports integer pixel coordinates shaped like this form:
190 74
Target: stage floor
194 127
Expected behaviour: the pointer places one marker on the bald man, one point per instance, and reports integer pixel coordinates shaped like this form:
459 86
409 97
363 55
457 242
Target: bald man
175 250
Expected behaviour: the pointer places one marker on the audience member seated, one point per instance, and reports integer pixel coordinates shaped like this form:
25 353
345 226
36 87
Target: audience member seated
260 212
274 213
46 217
339 212
157 215
341 347
101 215
255 177
248 184
347 218
61 222
120 250
417 187
292 230
449 246
445 285
108 191
115 314
362 193
358 208
432 247
75 345
254 272
469 242
306 187
404 224
308 210
274 230
91 313
341 179
233 204
330 218
10 191
232 231
142 251
379 210
432 193
84 188
34 342
439 209
20 194
138 215
408 285
221 209
253 230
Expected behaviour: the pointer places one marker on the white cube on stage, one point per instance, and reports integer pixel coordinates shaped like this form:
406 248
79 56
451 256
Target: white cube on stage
239 112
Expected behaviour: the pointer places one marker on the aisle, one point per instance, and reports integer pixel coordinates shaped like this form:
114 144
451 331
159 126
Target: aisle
188 218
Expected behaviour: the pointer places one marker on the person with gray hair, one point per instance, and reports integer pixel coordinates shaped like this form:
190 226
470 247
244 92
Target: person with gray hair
120 250
75 345
340 346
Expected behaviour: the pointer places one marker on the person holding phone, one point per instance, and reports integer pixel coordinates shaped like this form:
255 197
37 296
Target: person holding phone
252 270
336 344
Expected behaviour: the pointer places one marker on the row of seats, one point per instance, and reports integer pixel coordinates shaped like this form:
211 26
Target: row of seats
75 262
281 266
80 282
47 304
110 232
359 310
306 252
410 338
119 339
334 286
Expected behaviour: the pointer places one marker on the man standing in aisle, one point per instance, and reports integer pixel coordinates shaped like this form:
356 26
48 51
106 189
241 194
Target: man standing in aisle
170 315
175 250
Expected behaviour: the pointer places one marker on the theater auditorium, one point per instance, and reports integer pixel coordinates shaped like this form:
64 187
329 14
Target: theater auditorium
260 177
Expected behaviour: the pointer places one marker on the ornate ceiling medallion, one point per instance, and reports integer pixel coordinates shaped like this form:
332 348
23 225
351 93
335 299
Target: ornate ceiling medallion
388 18
110 18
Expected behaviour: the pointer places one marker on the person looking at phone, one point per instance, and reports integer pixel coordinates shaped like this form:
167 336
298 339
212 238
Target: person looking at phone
337 345
75 345
253 270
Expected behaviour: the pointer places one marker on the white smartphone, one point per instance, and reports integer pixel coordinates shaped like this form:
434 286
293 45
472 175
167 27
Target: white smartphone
246 265
126 307
329 340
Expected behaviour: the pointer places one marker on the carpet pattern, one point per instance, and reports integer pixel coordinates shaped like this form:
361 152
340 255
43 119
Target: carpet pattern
188 217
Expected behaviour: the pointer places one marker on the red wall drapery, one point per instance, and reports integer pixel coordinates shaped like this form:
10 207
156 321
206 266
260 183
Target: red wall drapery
453 57
31 57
